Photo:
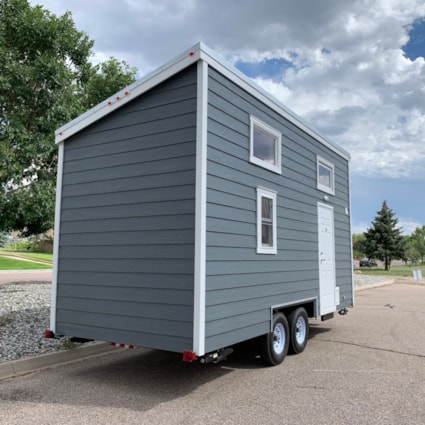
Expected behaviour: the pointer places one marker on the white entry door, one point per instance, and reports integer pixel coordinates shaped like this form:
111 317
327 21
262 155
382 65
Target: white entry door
325 215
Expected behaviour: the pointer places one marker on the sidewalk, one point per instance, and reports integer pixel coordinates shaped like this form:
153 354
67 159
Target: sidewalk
23 258
9 276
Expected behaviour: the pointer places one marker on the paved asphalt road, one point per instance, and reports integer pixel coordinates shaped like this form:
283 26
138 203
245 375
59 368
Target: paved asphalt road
364 368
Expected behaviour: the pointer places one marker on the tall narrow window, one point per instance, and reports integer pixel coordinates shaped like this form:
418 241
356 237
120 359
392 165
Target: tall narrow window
265 149
325 176
266 221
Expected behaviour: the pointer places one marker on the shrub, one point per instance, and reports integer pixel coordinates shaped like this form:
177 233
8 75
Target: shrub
3 238
29 246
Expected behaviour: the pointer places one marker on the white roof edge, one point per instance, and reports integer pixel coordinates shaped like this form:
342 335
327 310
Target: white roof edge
128 93
247 83
197 52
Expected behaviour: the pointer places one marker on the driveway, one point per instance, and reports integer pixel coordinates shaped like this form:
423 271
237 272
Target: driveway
367 367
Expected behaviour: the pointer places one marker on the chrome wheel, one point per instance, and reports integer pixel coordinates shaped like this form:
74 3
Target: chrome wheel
301 330
275 344
298 325
279 338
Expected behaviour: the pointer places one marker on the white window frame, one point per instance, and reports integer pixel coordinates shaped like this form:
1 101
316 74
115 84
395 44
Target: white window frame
324 163
270 194
277 167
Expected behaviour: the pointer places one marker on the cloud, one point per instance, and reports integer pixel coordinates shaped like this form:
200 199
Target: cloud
407 225
343 67
357 86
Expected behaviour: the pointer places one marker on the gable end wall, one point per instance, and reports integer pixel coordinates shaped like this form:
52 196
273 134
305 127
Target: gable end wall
126 257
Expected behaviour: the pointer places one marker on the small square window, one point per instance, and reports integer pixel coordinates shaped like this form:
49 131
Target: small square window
325 176
266 221
265 146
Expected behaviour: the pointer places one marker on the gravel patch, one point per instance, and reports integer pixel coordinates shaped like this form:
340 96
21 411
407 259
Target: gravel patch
24 316
363 280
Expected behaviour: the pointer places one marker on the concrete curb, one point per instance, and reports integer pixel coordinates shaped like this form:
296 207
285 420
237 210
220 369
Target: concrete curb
32 364
373 285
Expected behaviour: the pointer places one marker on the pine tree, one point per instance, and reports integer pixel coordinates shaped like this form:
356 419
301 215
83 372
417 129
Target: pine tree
384 239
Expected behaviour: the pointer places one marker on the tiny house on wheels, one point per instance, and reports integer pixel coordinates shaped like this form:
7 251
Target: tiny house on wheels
194 211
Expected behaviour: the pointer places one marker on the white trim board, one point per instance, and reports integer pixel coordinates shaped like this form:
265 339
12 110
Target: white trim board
198 52
200 211
58 206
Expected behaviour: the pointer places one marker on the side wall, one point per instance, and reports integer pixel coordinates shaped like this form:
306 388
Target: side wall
126 255
241 284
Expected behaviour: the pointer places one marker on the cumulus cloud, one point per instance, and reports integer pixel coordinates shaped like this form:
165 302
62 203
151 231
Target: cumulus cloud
358 87
348 76
345 70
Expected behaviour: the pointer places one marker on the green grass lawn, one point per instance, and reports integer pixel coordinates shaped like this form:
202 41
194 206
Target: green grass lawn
12 264
394 270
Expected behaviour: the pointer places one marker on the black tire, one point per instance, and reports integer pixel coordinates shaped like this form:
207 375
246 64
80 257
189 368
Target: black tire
298 328
276 343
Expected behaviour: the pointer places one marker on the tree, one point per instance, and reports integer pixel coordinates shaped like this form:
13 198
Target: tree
384 239
46 80
106 79
416 244
358 245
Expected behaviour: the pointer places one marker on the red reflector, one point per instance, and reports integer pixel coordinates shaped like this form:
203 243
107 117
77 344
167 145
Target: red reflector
114 344
189 356
48 334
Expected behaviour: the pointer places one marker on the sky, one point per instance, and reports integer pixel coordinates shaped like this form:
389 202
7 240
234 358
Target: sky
352 69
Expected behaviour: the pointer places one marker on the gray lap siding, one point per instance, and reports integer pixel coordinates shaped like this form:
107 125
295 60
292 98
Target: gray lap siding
127 220
126 259
241 285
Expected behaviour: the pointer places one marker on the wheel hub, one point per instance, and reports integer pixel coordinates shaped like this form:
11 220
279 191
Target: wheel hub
301 329
278 338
